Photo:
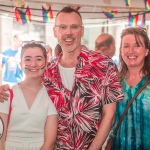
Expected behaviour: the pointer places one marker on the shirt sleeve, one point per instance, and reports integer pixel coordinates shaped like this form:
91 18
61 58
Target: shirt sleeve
113 91
51 108
4 107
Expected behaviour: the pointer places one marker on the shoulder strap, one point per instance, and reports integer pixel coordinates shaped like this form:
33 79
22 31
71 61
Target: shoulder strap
10 106
128 105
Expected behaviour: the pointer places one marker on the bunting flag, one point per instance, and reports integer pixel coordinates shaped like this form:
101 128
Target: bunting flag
134 10
133 20
47 14
128 3
147 4
20 3
143 23
110 13
23 16
76 8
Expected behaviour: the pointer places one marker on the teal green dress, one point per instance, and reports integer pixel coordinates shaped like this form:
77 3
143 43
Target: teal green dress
134 132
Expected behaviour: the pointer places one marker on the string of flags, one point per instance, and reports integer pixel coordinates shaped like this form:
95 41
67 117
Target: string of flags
23 13
146 2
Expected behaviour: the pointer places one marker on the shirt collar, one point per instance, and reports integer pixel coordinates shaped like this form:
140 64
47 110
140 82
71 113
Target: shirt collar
82 56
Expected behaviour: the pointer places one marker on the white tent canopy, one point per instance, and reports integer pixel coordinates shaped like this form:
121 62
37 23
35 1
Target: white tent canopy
89 9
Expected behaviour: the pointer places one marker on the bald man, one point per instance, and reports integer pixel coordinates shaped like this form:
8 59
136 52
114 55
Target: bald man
105 44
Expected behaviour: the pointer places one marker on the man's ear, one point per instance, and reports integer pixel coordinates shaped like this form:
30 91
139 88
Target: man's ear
82 31
54 31
113 49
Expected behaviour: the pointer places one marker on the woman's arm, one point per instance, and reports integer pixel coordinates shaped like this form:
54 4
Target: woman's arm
50 132
3 130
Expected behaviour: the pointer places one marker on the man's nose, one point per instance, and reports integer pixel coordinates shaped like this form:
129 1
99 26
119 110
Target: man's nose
68 30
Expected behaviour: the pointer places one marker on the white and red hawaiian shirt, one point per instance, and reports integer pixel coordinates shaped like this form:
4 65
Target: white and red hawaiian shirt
79 110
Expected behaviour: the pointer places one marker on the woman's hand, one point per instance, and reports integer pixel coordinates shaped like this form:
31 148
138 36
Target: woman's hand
3 95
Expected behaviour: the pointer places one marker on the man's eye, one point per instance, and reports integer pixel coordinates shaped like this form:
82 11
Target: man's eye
63 27
74 26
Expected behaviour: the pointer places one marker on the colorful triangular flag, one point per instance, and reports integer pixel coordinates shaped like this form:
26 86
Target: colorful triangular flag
110 13
20 3
143 23
77 8
47 14
133 19
147 4
23 16
128 3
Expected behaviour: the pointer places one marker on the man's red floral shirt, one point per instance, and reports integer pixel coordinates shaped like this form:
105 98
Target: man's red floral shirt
79 110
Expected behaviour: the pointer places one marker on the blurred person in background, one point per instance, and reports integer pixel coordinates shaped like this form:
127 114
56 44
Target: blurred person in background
10 62
49 53
105 44
57 50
